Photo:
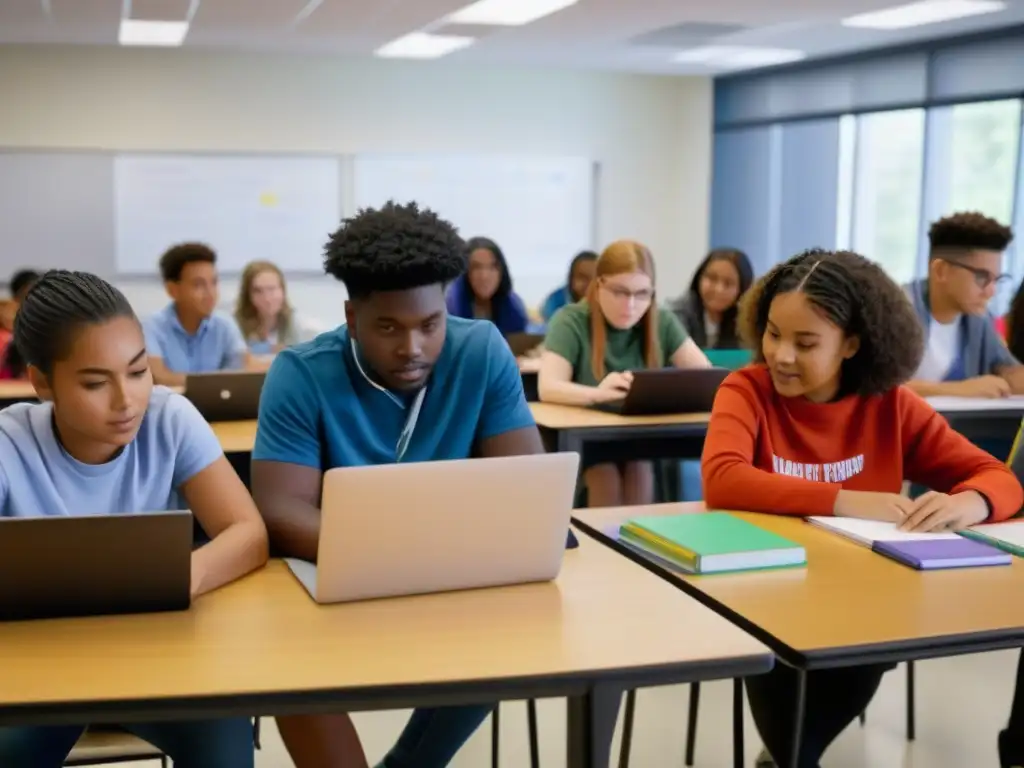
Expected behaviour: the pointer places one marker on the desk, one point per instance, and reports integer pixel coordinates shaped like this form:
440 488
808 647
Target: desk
235 436
261 646
573 426
981 419
849 606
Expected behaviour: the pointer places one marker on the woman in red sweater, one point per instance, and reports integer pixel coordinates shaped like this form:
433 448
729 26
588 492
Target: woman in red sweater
820 425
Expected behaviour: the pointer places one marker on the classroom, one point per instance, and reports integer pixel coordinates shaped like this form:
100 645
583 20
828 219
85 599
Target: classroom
511 383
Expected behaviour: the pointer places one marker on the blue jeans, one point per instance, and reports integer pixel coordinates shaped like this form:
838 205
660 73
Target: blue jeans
433 736
195 744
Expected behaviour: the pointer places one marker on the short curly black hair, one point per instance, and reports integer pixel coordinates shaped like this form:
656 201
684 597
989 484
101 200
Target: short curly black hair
395 248
174 261
969 231
859 297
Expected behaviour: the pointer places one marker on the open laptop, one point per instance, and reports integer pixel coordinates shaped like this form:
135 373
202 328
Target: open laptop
669 390
54 567
225 395
523 343
405 529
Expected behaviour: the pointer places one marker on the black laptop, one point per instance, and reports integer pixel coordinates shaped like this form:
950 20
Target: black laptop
669 390
226 395
55 567
524 343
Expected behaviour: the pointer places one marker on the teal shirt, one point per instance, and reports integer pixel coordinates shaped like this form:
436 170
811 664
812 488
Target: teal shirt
569 337
318 410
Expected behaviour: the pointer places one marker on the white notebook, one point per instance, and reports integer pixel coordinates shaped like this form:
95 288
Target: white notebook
951 404
867 532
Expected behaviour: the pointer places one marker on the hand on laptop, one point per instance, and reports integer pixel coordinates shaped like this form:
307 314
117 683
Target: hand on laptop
614 386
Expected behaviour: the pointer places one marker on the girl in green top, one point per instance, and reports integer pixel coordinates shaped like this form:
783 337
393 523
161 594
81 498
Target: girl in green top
592 346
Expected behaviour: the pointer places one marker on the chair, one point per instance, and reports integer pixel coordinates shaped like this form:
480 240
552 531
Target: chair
102 746
531 717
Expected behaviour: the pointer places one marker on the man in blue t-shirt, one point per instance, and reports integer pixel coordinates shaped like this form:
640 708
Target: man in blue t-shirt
401 381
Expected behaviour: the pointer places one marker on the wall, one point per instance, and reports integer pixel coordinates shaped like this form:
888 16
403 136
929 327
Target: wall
650 135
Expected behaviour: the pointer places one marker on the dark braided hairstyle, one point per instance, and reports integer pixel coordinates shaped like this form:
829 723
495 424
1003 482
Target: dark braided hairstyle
857 296
54 308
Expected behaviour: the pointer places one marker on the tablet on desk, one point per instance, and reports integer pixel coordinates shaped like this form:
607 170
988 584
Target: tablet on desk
55 567
665 391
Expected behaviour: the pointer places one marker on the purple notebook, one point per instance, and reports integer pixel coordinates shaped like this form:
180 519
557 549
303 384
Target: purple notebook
931 554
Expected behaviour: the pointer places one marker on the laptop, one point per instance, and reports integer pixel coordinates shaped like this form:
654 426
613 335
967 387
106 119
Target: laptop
406 529
55 567
524 343
669 390
225 395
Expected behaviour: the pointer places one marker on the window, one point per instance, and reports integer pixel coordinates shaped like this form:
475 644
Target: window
982 156
887 189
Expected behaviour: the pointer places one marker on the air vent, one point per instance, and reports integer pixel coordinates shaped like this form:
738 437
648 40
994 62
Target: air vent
686 35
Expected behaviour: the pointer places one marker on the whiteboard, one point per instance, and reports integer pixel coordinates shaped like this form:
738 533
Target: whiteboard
539 210
281 209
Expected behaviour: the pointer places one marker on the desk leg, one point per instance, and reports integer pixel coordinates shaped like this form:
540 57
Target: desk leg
798 720
591 726
737 722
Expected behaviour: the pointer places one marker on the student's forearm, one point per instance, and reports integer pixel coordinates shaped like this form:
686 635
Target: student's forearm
234 552
293 525
933 388
568 393
1014 376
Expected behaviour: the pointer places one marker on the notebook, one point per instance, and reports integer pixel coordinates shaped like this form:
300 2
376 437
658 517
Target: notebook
1006 536
924 551
934 554
867 532
710 542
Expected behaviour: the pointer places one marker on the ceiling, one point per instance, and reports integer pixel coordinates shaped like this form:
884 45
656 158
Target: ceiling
623 35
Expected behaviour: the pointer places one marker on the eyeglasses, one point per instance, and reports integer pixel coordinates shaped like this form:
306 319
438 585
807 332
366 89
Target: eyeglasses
982 277
624 294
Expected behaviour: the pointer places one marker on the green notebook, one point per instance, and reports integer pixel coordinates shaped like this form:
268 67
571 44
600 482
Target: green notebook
729 358
711 542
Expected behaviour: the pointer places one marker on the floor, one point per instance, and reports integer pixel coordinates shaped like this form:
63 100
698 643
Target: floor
962 703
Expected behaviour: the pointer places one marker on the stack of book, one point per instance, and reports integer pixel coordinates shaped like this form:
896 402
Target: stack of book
709 542
923 551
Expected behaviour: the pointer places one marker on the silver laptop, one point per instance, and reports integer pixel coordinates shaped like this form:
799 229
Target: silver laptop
404 529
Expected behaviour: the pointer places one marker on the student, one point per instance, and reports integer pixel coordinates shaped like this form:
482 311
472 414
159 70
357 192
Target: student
822 426
105 441
401 381
13 367
964 354
186 336
590 350
708 311
1013 325
581 273
266 319
485 291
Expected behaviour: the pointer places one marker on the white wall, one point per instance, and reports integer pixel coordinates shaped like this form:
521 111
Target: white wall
650 135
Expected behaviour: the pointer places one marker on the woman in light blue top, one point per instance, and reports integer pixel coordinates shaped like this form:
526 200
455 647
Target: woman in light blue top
105 441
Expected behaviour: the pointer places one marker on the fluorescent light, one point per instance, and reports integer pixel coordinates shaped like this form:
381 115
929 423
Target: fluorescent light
137 32
421 45
737 57
511 13
926 12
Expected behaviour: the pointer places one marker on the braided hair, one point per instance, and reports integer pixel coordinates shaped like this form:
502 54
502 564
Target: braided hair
857 296
54 308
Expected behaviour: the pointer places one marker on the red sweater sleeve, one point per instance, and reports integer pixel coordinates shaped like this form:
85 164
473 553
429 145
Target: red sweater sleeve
731 481
939 457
